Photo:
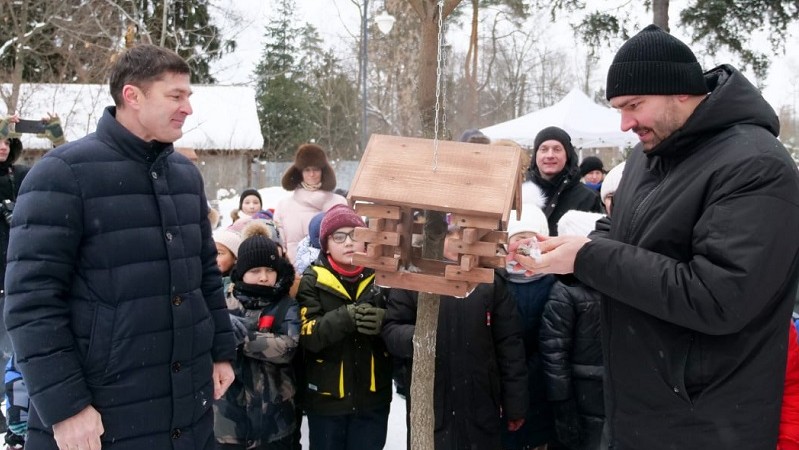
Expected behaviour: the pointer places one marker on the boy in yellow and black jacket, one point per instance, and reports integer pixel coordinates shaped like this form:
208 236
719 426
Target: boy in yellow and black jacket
348 385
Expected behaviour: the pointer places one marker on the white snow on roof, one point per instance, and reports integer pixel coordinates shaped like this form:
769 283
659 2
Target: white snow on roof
224 117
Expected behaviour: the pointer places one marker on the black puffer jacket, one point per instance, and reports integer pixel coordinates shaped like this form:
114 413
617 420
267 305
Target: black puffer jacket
11 176
480 363
114 298
699 273
571 351
564 192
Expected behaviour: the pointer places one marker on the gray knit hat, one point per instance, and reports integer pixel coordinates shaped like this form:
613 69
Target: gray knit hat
654 62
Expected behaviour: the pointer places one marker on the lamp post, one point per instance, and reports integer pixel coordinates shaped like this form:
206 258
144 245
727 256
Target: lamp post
385 22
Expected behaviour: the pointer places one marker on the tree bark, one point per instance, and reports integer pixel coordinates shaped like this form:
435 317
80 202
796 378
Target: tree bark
660 14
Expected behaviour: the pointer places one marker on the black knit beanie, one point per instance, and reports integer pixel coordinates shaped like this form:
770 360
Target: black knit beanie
256 250
589 164
554 133
654 62
247 193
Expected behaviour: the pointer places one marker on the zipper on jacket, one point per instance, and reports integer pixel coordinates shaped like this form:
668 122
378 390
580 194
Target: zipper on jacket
640 207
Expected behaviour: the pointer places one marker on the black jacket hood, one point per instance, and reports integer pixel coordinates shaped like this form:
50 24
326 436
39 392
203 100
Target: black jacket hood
732 101
15 149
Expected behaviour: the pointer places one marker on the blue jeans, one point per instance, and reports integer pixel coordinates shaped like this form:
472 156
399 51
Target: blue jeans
365 430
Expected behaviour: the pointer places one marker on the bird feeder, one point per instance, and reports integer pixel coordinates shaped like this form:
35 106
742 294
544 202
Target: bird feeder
477 184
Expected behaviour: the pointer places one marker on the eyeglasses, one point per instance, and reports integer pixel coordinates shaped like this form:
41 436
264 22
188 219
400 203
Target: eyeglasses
339 236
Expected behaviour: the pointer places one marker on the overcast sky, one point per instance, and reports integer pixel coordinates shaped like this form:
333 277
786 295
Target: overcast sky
338 23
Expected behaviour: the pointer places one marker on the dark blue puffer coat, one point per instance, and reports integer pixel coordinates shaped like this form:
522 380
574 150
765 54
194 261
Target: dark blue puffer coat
114 298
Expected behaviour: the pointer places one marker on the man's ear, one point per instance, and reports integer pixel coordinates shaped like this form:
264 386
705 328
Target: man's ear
132 95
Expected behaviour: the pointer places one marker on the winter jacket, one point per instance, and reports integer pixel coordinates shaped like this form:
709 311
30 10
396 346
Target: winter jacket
114 298
789 413
698 268
530 294
346 371
571 350
259 405
294 213
564 192
480 371
11 176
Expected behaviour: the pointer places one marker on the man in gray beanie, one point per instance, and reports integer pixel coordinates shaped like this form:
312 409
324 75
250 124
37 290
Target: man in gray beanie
698 265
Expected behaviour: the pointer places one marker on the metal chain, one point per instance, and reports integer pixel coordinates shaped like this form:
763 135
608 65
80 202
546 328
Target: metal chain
444 62
438 83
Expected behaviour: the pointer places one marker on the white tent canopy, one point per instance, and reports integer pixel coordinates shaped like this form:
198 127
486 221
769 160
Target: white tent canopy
589 124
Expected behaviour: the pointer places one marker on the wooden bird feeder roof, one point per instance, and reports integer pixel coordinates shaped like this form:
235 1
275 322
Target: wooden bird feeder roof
471 179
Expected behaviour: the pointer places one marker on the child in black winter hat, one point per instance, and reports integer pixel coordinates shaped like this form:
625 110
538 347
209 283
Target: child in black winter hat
259 405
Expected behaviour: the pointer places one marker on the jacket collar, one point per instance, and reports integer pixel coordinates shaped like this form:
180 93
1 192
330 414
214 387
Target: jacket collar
128 144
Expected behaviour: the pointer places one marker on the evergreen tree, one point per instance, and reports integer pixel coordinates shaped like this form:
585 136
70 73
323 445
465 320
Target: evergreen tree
302 92
283 98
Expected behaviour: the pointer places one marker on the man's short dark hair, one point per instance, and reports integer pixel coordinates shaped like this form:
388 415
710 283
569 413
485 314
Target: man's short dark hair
142 65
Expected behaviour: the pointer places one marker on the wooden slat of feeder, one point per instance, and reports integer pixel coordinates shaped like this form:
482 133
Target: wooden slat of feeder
377 237
493 261
464 221
421 282
468 262
381 211
476 275
471 179
378 263
377 224
406 225
478 248
497 237
472 235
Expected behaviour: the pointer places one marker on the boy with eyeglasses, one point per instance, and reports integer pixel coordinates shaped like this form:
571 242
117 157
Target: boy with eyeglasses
347 367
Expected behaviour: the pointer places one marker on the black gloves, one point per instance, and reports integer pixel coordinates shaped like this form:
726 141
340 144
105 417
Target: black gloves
369 319
567 423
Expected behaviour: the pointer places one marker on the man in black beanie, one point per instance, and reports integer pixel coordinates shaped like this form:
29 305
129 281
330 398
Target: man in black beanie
699 264
554 169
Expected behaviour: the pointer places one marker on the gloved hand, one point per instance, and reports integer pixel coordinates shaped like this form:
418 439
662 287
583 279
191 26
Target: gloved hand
53 131
5 128
352 310
242 326
567 423
369 319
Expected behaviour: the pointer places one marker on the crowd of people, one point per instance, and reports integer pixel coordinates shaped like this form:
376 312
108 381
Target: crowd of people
656 312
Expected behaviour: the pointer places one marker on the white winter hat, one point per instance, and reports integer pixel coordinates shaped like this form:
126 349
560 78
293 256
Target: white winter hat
612 180
532 219
230 238
579 223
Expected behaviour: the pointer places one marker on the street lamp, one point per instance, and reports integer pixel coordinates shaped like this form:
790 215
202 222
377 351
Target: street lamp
385 22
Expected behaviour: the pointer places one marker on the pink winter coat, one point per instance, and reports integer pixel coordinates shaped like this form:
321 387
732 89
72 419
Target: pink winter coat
294 213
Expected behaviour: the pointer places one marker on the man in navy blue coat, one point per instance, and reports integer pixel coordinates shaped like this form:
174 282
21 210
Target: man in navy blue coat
114 302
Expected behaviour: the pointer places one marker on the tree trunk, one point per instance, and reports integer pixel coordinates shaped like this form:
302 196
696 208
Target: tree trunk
424 337
660 14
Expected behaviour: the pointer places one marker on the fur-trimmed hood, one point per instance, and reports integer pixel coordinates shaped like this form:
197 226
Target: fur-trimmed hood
15 149
309 155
